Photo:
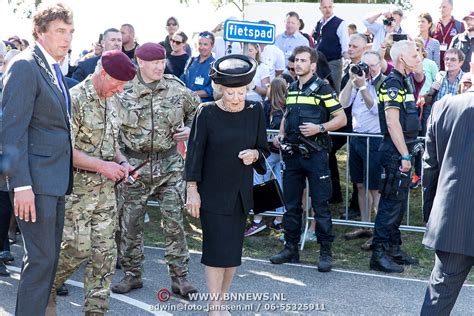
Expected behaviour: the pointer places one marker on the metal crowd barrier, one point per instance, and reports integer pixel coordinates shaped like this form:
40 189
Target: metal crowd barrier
306 212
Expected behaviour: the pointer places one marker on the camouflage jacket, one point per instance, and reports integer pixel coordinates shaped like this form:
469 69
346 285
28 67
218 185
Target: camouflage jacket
95 122
148 114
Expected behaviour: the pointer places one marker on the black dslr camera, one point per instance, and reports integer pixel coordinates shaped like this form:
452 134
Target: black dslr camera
359 69
388 21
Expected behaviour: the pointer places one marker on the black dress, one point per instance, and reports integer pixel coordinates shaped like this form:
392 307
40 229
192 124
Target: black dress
224 182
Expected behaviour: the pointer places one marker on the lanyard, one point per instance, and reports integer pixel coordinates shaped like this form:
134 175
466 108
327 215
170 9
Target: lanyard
427 41
450 25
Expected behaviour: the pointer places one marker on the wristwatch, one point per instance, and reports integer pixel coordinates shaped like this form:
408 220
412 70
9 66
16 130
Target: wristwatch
322 129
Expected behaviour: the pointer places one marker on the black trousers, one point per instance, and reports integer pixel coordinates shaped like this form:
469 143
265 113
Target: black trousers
391 211
42 241
6 210
449 273
316 170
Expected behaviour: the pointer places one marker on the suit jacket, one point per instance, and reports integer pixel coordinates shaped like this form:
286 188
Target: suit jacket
36 132
85 68
448 178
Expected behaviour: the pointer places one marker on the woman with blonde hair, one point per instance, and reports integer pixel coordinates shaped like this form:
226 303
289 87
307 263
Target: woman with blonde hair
262 76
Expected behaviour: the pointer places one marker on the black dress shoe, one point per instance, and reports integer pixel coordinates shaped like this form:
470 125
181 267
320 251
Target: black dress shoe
3 270
62 290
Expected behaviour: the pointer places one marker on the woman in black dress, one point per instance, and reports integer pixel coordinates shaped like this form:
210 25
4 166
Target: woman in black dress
227 141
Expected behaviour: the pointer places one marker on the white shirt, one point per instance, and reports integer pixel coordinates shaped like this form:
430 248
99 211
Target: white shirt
365 121
221 48
274 58
379 32
341 32
50 60
287 43
261 73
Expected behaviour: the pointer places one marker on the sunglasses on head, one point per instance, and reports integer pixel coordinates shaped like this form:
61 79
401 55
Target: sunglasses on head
176 42
205 34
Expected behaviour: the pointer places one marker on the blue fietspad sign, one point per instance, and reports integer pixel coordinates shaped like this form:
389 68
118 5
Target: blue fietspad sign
249 32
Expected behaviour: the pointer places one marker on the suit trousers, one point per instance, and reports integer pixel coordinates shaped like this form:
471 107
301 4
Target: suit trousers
5 214
42 241
449 273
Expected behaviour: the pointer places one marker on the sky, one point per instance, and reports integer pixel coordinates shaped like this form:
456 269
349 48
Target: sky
92 17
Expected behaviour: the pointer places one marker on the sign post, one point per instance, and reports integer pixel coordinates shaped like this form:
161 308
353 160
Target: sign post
249 32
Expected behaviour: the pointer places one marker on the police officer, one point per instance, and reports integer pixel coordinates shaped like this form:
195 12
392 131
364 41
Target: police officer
91 211
400 126
312 110
157 112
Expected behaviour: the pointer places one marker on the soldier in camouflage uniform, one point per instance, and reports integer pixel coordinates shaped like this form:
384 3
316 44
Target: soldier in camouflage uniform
91 211
157 114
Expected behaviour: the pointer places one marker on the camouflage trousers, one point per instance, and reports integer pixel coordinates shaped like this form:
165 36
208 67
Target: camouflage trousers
162 181
89 228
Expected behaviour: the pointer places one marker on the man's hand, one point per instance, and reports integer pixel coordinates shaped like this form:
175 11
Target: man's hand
277 140
112 170
193 202
406 166
182 134
309 129
24 205
359 81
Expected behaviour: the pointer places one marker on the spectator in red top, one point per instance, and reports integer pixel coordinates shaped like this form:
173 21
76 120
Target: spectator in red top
446 28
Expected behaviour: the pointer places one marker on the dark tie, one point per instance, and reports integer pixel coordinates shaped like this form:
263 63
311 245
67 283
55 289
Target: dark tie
59 77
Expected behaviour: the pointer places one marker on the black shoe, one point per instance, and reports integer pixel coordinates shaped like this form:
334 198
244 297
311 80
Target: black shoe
380 261
400 256
6 257
288 254
62 290
325 257
3 270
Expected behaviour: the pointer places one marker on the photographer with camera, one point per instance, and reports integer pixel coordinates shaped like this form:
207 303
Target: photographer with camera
360 93
390 24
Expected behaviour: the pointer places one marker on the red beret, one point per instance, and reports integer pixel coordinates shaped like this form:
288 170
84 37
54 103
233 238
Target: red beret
150 51
118 65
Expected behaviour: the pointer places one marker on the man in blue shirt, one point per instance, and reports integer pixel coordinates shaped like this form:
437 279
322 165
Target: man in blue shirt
291 38
196 73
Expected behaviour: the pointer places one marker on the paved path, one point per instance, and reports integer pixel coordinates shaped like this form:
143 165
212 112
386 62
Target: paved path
341 292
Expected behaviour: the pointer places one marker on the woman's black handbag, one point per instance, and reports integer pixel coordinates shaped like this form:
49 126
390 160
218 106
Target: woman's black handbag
268 195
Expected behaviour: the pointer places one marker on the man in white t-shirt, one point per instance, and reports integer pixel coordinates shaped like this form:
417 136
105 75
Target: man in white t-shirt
273 57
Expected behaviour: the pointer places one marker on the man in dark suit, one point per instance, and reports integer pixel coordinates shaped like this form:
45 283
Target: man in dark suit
36 133
448 199
112 40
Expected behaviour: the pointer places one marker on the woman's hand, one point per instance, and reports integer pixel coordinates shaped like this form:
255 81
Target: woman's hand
249 156
193 201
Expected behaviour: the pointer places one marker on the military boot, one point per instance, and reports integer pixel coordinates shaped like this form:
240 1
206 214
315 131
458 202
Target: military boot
180 285
380 261
288 254
325 257
400 256
128 283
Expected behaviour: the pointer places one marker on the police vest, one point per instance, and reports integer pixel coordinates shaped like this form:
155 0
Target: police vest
397 92
304 106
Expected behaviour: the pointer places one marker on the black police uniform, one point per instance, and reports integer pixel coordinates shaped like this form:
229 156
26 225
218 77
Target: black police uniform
396 92
314 107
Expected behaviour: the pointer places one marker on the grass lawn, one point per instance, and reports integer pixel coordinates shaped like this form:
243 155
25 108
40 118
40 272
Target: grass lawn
347 254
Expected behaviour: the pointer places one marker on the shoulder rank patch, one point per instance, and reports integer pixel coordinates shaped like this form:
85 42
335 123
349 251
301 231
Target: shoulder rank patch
392 93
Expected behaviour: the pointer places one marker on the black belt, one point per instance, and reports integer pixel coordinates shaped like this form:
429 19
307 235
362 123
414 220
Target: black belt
155 155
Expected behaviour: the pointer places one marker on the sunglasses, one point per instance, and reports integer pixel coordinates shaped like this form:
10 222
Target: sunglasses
290 68
176 42
171 24
205 34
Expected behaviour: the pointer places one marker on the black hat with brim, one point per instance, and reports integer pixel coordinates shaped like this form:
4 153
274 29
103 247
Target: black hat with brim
233 70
